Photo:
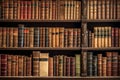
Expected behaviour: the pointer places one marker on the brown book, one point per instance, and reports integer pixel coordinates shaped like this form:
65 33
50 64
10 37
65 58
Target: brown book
65 38
79 37
107 8
119 65
20 65
119 37
84 64
78 10
70 37
1 32
53 37
111 9
109 36
43 37
113 37
104 64
60 65
103 9
28 66
29 11
72 66
42 9
57 37
24 66
11 37
3 65
47 9
16 68
75 37
13 67
36 9
115 64
8 37
9 65
36 63
27 38
95 9
18 10
61 37
68 66
99 64
109 63
43 64
31 36
64 65
50 70
15 37
99 9
4 37
91 8
55 67
116 30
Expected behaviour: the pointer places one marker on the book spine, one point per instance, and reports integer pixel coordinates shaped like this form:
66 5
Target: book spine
20 66
24 66
27 37
43 64
28 66
89 64
61 37
11 34
4 37
68 66
65 38
119 65
95 66
15 37
104 62
99 9
99 64
75 37
20 35
36 37
64 65
3 65
109 63
36 62
115 64
84 64
8 37
1 33
77 63
60 65
72 66
31 36
46 37
14 65
50 70
9 67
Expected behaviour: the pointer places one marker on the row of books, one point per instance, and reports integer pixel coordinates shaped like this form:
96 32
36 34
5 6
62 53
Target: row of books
40 9
41 64
39 37
104 36
103 9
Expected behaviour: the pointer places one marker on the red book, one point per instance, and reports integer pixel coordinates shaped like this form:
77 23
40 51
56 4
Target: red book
3 65
9 64
28 66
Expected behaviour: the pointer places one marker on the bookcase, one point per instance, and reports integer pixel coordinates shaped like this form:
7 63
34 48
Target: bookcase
60 39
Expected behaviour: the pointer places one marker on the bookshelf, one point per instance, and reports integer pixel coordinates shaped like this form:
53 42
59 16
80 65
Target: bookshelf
61 35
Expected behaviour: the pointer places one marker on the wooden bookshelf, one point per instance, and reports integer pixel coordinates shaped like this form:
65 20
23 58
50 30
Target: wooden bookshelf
81 15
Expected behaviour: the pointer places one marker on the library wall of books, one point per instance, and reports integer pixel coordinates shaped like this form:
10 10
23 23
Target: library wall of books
60 39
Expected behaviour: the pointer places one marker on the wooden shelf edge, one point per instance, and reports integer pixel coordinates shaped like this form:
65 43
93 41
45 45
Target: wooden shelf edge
41 48
101 49
13 20
101 20
59 77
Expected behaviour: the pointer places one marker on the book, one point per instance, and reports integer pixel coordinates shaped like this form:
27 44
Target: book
9 65
78 64
43 64
50 68
99 64
104 64
95 66
3 64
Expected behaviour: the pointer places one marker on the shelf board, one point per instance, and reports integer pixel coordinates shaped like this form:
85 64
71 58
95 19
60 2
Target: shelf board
36 20
41 48
60 77
102 20
100 49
